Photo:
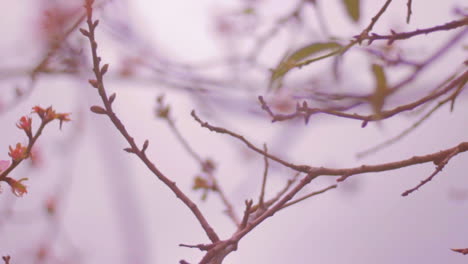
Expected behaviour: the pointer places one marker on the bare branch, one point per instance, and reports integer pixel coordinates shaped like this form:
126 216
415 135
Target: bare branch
440 165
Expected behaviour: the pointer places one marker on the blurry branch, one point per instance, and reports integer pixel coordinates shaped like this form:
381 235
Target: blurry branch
398 61
207 166
309 195
364 35
405 132
357 39
43 65
374 20
409 10
6 259
264 179
405 35
463 251
436 55
98 83
263 40
305 111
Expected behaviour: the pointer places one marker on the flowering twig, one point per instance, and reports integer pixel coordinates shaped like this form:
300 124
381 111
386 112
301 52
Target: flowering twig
107 101
20 152
262 40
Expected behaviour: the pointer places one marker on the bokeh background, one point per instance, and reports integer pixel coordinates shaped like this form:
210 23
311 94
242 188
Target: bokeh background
108 208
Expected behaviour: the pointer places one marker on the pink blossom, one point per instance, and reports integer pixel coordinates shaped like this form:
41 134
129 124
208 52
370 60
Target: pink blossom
4 164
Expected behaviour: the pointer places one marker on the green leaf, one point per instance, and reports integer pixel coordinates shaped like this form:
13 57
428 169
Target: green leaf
290 61
311 49
248 11
380 92
352 7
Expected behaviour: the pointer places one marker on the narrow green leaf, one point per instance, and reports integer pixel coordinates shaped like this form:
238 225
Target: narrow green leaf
291 61
380 92
311 49
353 9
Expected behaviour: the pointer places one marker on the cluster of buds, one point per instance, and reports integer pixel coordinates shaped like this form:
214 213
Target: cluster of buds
21 152
49 114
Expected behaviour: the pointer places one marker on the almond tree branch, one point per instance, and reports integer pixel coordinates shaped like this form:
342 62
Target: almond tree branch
98 83
222 248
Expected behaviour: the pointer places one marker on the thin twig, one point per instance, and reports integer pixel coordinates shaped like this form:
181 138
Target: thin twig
405 132
265 175
247 211
376 18
440 166
262 40
309 195
301 168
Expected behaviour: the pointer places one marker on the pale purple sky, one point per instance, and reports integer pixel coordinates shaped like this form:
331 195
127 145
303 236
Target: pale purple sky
115 211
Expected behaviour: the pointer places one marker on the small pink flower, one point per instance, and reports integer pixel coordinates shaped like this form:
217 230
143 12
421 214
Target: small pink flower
17 187
24 123
4 164
18 153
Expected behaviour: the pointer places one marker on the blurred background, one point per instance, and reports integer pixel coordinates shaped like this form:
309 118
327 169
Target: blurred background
89 201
